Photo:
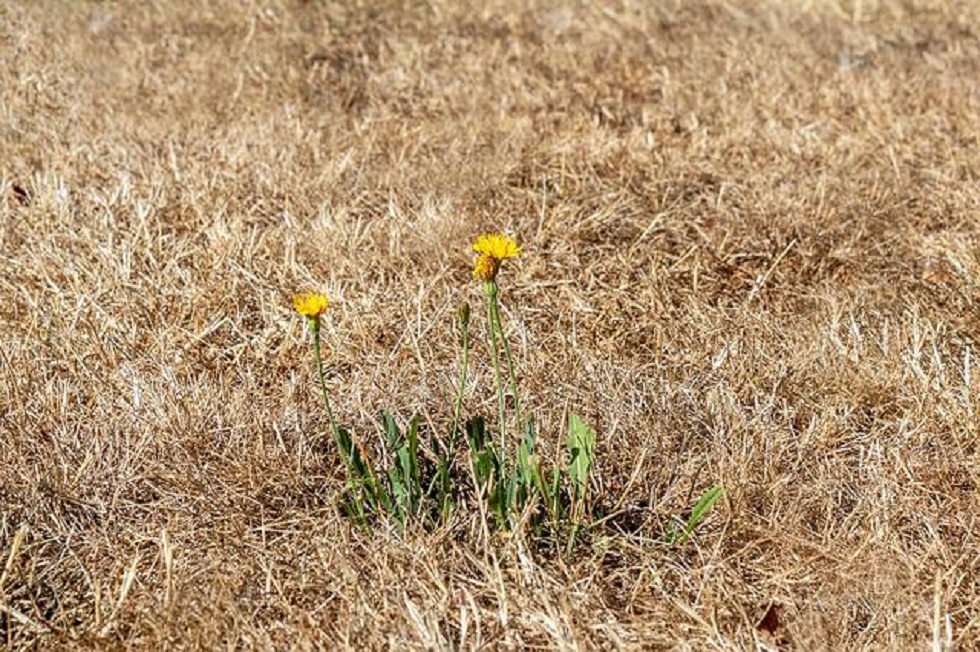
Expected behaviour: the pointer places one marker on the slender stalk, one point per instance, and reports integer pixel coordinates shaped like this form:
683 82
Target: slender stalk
495 312
490 289
315 327
359 473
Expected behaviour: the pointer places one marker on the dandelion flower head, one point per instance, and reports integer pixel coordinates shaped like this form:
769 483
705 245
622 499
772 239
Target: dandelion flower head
492 249
311 304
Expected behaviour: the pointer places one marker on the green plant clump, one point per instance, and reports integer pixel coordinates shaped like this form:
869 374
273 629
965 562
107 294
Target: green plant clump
507 477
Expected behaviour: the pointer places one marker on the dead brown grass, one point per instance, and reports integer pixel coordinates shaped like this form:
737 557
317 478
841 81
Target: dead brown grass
752 258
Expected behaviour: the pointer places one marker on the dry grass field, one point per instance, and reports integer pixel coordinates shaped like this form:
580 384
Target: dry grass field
751 238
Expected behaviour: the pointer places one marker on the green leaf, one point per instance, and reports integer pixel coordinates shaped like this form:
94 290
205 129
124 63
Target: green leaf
524 453
362 477
581 450
483 456
476 433
701 509
555 488
398 490
412 470
393 435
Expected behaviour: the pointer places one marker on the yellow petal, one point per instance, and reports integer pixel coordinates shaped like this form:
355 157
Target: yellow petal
311 304
497 245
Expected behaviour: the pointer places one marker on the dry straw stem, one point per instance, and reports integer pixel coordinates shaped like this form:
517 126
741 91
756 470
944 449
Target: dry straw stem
171 173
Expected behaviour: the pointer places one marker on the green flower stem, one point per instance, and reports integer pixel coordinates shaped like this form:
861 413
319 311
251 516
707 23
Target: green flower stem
315 328
357 471
495 311
490 289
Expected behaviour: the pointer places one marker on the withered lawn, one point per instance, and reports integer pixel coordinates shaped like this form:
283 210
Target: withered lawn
751 258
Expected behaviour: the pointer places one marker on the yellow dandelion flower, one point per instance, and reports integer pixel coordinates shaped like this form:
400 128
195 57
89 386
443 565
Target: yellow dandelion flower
496 245
492 249
311 304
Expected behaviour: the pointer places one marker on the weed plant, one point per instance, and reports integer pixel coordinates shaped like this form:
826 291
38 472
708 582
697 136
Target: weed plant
514 491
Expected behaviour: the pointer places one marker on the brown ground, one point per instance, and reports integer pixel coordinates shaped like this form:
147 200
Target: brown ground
751 236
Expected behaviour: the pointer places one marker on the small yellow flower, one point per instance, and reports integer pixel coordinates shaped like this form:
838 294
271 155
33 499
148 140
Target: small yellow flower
496 245
311 304
492 249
